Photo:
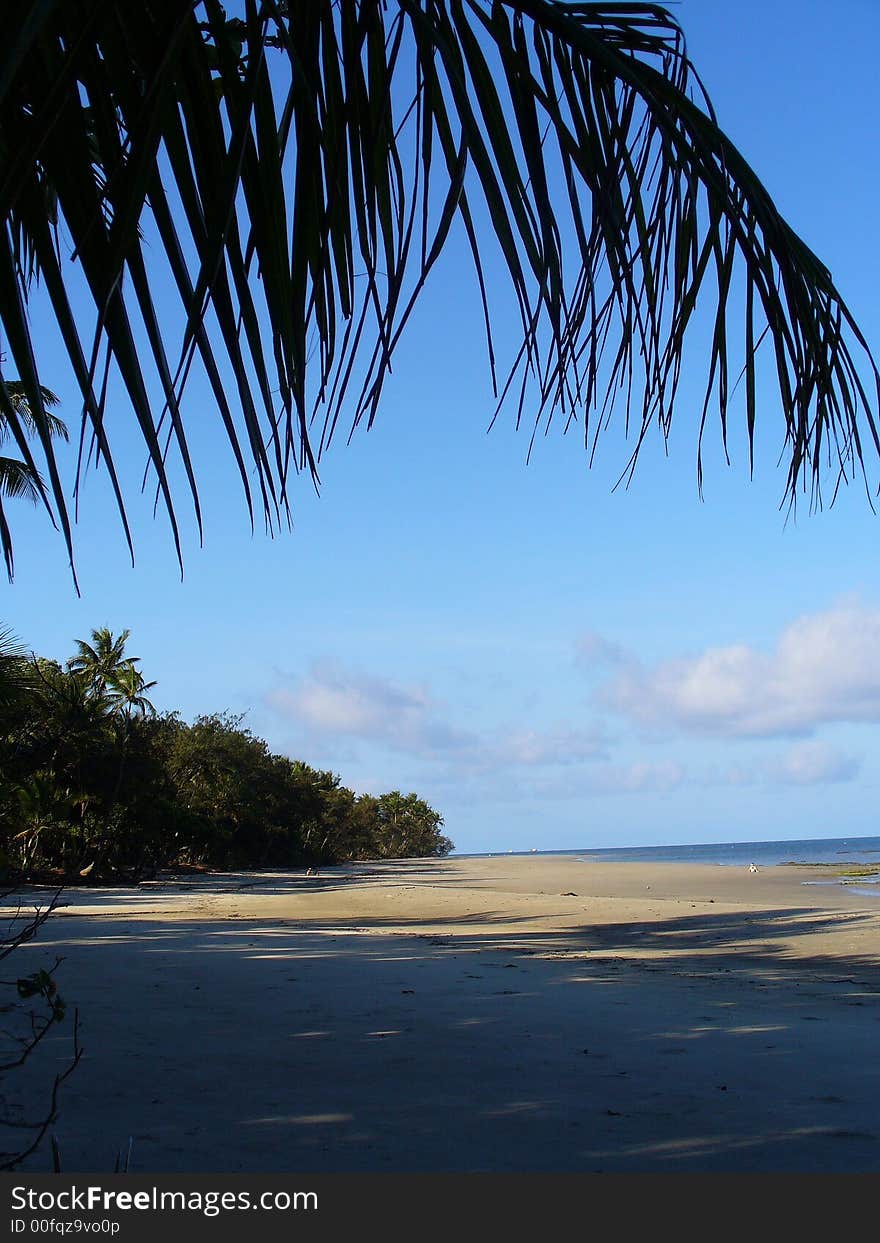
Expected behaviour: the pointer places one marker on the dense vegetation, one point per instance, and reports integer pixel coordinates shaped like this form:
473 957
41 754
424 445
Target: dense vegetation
94 783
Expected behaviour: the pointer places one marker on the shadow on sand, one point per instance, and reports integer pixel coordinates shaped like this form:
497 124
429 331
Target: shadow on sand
267 1044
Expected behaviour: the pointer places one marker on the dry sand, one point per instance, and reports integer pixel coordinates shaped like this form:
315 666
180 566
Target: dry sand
494 1014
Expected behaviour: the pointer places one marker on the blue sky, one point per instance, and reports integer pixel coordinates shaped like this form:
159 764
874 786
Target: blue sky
549 662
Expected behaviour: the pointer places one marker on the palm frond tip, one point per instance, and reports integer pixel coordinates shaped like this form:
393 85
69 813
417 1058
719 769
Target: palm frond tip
301 166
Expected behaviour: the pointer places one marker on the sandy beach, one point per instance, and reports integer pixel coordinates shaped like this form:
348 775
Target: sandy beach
494 1014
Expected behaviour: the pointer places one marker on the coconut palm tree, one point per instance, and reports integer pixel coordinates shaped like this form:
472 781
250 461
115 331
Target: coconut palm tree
103 661
16 674
127 692
299 166
21 478
16 477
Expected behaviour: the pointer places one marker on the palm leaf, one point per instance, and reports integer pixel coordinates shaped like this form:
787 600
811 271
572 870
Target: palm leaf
300 167
18 481
21 479
18 397
16 674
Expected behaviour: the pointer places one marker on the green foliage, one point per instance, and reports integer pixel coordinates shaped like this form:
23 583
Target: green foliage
15 673
95 783
401 826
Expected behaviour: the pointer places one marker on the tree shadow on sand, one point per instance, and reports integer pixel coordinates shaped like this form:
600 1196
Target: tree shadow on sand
267 1045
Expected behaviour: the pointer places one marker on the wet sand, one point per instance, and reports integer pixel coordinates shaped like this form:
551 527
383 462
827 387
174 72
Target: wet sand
495 1014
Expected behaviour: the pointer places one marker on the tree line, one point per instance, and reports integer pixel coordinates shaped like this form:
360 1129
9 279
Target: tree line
96 784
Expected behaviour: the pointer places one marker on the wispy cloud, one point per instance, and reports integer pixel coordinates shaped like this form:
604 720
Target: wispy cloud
638 777
345 704
536 748
824 667
541 786
808 763
594 651
812 763
349 703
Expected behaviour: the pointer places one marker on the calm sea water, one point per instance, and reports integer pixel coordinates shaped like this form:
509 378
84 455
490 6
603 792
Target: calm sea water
739 854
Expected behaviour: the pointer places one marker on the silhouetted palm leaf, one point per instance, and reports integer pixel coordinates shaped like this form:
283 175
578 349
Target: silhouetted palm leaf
300 215
18 480
16 675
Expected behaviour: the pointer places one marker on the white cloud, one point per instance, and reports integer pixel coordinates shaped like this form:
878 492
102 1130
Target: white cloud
825 667
339 704
344 703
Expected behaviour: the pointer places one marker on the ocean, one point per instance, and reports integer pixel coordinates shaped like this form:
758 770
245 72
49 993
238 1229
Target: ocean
739 854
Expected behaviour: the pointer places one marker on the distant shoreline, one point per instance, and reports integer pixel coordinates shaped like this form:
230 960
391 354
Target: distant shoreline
767 853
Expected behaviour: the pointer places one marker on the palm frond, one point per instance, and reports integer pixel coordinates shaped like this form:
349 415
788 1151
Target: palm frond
103 661
578 131
22 479
21 405
18 481
16 676
127 691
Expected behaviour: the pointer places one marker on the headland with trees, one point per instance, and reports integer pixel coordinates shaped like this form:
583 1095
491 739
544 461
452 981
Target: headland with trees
95 784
